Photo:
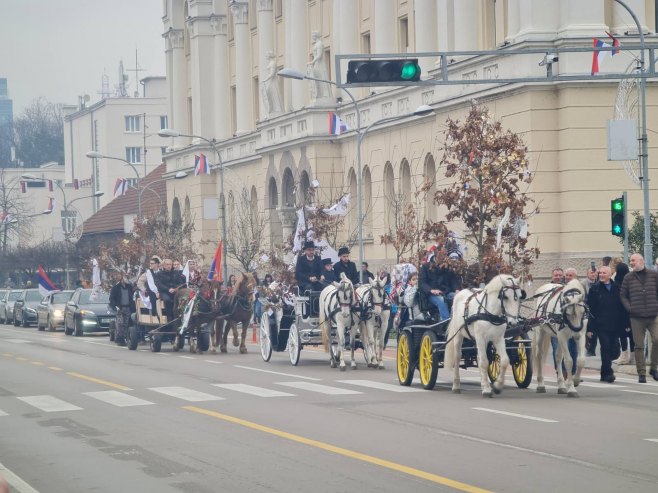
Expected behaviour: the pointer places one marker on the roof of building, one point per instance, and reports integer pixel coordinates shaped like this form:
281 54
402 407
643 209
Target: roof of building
110 218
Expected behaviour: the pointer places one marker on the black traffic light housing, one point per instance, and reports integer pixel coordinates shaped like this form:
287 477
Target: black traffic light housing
370 72
617 214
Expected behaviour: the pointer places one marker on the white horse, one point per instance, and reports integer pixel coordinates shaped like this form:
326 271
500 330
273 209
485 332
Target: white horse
563 309
483 315
375 314
336 302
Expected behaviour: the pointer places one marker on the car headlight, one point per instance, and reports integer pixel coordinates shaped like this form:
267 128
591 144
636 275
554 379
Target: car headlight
57 313
31 311
87 313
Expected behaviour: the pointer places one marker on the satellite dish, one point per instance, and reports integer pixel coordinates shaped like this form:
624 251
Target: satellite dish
626 108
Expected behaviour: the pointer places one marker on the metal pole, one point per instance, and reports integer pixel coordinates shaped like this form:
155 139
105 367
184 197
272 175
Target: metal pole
625 199
644 152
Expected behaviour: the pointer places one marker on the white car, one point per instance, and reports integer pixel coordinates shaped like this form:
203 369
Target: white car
50 312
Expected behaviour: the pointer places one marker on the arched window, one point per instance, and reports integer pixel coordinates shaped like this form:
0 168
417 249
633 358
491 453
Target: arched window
187 211
288 189
367 203
254 204
354 209
274 194
230 213
304 185
175 212
405 183
430 177
389 196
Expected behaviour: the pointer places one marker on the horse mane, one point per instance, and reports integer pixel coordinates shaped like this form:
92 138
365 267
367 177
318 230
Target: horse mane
242 287
575 284
496 284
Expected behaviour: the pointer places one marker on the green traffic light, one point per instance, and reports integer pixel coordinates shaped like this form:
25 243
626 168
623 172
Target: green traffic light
616 229
410 70
618 205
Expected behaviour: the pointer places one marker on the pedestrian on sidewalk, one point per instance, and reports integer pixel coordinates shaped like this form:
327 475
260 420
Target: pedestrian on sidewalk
627 357
608 314
121 297
639 295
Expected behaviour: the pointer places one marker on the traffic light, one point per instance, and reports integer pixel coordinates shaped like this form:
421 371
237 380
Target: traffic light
617 214
370 72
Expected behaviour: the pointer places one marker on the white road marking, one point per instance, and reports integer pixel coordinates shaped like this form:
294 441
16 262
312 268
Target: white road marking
640 392
2 413
515 415
15 481
187 357
601 385
48 403
651 440
163 354
276 373
186 394
316 387
118 399
380 386
18 341
213 361
252 390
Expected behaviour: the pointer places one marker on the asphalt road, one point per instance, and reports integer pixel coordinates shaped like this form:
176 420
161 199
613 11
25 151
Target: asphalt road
81 414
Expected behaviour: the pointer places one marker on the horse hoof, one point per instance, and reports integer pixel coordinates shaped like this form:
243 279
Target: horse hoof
487 394
541 390
561 391
213 350
573 393
381 366
236 342
222 349
342 368
332 364
243 350
576 382
496 390
353 366
456 391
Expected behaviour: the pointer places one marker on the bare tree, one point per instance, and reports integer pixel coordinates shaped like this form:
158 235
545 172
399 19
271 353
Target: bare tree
13 210
38 134
247 233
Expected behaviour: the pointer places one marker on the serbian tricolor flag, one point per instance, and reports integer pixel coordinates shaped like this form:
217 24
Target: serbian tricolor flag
120 187
46 286
215 273
51 204
5 217
23 187
599 56
76 184
201 165
336 125
50 185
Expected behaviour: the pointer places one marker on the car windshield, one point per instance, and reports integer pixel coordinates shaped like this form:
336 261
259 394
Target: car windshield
33 296
103 299
61 297
13 296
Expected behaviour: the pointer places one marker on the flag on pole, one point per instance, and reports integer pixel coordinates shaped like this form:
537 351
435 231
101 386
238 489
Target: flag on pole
46 286
599 56
50 185
336 125
76 184
215 273
4 217
51 204
201 165
95 281
23 187
120 187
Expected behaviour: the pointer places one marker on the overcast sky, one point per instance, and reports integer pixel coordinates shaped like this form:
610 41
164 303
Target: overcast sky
59 48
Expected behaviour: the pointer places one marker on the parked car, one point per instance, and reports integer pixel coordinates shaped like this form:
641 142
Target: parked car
25 307
3 296
7 306
83 315
50 312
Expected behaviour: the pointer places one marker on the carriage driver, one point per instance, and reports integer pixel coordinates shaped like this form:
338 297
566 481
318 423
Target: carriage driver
308 271
346 265
168 281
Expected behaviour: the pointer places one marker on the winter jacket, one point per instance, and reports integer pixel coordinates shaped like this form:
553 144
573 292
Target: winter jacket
433 277
639 293
306 269
115 296
348 268
166 280
608 313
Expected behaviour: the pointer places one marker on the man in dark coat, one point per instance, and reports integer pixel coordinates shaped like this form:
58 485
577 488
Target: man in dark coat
639 294
439 284
121 297
608 314
168 281
328 272
346 265
308 271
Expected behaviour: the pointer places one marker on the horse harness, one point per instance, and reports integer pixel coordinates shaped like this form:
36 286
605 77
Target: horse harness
482 313
559 319
339 305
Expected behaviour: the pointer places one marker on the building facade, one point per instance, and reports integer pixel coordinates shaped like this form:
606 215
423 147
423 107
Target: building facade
119 127
273 135
6 122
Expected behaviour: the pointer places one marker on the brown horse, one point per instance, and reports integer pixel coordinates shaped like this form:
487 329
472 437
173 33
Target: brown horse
205 311
234 309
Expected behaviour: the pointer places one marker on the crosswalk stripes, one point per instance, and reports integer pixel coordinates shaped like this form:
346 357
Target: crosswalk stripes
48 403
2 413
381 386
316 387
186 394
252 390
118 399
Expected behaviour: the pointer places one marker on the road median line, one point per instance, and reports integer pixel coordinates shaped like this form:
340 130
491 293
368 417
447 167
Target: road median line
98 380
434 478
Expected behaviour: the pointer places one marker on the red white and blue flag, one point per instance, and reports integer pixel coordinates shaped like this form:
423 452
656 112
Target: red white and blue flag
215 272
50 185
598 56
51 204
23 187
46 286
336 125
201 165
120 187
76 184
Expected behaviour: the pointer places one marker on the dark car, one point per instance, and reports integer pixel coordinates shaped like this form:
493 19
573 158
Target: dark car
7 306
50 312
3 304
25 307
83 314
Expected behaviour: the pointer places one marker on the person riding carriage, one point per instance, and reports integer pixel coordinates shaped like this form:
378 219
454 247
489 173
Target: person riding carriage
346 265
439 284
309 271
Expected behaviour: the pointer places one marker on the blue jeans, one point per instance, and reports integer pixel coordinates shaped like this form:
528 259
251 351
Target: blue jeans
440 302
573 350
258 310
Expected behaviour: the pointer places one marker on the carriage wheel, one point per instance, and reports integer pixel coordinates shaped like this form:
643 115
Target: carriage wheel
493 370
264 338
156 344
294 344
203 340
133 337
406 365
428 365
521 368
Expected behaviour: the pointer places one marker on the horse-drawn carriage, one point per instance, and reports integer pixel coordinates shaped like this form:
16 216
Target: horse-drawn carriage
424 345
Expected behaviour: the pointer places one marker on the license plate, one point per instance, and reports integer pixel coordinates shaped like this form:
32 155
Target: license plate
106 320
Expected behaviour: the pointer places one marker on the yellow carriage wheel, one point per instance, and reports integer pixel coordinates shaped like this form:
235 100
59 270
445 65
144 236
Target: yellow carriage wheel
428 365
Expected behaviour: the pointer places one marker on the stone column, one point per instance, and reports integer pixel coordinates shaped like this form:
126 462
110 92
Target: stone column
513 20
221 107
266 43
467 24
297 49
426 39
178 83
240 12
445 12
385 27
288 218
622 22
539 20
201 52
585 18
348 25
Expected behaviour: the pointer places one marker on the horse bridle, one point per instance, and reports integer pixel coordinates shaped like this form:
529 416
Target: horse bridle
343 287
483 313
367 304
562 319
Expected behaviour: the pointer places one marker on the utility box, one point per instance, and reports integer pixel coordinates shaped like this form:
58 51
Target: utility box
623 143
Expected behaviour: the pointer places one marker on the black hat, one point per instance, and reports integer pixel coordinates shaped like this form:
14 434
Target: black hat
308 244
326 261
343 251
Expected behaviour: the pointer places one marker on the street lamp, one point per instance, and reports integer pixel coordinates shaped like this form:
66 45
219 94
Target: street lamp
178 176
422 110
98 155
168 132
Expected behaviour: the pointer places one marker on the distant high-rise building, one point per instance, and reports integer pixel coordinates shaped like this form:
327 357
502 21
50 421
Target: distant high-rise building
6 120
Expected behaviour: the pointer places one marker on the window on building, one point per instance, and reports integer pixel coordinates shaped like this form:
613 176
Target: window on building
278 8
365 43
35 184
403 35
68 221
133 123
134 155
164 122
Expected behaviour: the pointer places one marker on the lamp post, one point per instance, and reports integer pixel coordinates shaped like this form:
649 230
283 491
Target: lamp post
98 155
168 132
360 134
178 176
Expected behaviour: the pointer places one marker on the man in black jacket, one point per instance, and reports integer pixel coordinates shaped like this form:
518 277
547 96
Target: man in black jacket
439 284
346 265
328 272
608 315
168 281
121 297
308 271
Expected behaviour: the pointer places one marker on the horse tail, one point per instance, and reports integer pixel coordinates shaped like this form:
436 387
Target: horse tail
322 323
450 348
